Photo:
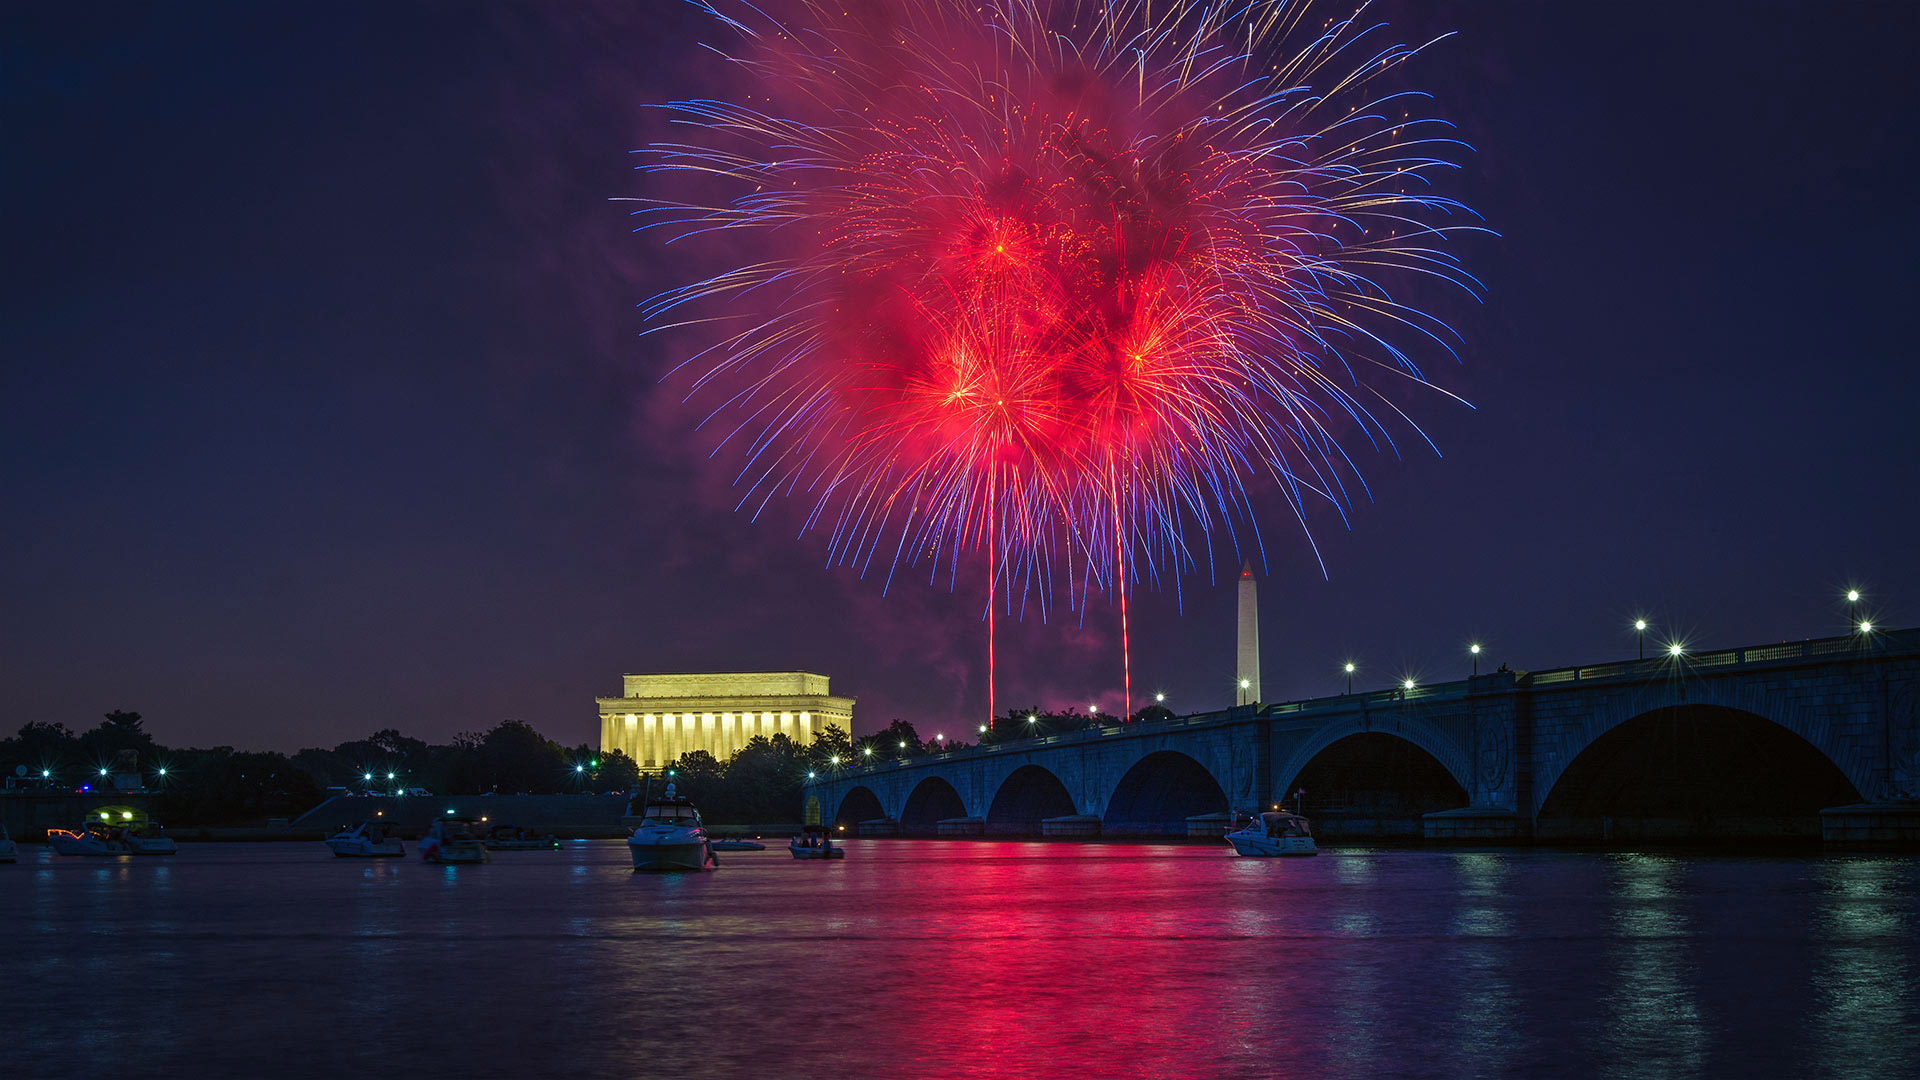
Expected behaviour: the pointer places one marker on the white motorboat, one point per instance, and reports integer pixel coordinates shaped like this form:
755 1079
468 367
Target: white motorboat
8 851
92 838
1276 832
367 840
670 836
453 840
815 843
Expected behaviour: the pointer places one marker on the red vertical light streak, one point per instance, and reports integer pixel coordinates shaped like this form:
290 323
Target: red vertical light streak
1120 582
993 582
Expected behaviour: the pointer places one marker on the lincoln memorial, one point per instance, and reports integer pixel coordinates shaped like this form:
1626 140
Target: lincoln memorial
660 717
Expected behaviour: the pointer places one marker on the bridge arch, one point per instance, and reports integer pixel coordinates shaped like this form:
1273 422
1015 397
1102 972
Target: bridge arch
1027 796
1444 750
1158 793
932 800
1858 760
858 804
1693 770
1375 783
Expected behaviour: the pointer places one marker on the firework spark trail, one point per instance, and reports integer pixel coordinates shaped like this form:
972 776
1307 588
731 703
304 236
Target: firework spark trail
1068 281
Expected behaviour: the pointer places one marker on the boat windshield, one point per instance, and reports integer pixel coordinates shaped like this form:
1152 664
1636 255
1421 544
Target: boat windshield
1285 825
673 814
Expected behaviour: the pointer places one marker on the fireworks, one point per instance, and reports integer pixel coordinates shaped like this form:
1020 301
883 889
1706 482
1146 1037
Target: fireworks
1061 285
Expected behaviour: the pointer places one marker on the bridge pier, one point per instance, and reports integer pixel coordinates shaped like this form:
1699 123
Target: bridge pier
1476 824
1872 825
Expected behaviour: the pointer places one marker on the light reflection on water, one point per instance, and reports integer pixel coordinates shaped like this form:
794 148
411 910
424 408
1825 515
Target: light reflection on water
935 958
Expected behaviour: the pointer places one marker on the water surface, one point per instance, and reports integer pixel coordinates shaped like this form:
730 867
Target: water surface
963 959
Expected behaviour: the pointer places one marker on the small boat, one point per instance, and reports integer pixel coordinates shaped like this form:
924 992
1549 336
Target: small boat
815 842
669 835
515 838
8 850
148 838
1276 832
367 840
453 840
92 838
737 845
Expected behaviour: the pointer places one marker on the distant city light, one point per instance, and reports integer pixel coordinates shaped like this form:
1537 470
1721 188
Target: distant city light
389 776
903 744
1093 708
834 760
163 770
867 750
1033 719
1674 649
809 774
44 773
103 772
1159 697
1866 628
366 776
579 768
983 729
1408 684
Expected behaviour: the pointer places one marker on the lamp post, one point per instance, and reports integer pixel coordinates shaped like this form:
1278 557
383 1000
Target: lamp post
1640 631
1349 676
1475 650
1853 607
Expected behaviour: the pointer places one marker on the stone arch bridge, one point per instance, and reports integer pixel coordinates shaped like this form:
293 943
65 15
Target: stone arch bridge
1758 740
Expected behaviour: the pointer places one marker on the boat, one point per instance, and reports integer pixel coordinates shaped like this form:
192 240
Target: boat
367 840
148 838
669 835
1276 832
453 840
8 850
91 838
815 842
737 845
515 838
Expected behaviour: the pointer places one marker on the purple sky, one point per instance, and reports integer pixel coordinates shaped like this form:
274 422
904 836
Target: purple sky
321 408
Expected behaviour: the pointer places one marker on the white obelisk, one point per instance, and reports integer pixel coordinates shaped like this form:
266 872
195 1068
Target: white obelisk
1246 680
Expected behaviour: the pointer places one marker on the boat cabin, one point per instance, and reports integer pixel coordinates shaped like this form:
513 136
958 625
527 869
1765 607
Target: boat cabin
1279 824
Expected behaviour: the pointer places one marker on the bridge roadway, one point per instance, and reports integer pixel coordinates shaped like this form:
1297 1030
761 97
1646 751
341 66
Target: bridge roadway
1759 740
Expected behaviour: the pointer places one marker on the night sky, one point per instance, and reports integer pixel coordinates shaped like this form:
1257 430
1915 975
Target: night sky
322 409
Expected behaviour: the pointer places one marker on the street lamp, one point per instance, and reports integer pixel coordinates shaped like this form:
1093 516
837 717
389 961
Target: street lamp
1159 697
1853 606
1640 632
1349 676
983 729
1406 684
1675 649
834 760
1246 684
1866 628
1475 650
867 750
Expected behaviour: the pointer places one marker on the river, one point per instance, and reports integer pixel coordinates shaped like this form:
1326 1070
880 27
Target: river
965 959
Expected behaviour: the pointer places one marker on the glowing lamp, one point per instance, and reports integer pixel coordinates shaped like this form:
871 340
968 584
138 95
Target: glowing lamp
366 776
1408 684
1159 697
834 760
1033 719
1349 667
125 814
1674 649
1866 628
809 774
1474 649
903 744
1639 624
1246 684
1853 596
867 750
103 772
983 729
579 768
163 772
389 776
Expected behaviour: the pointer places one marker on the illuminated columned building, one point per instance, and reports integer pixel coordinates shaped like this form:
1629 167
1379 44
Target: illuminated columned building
660 717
